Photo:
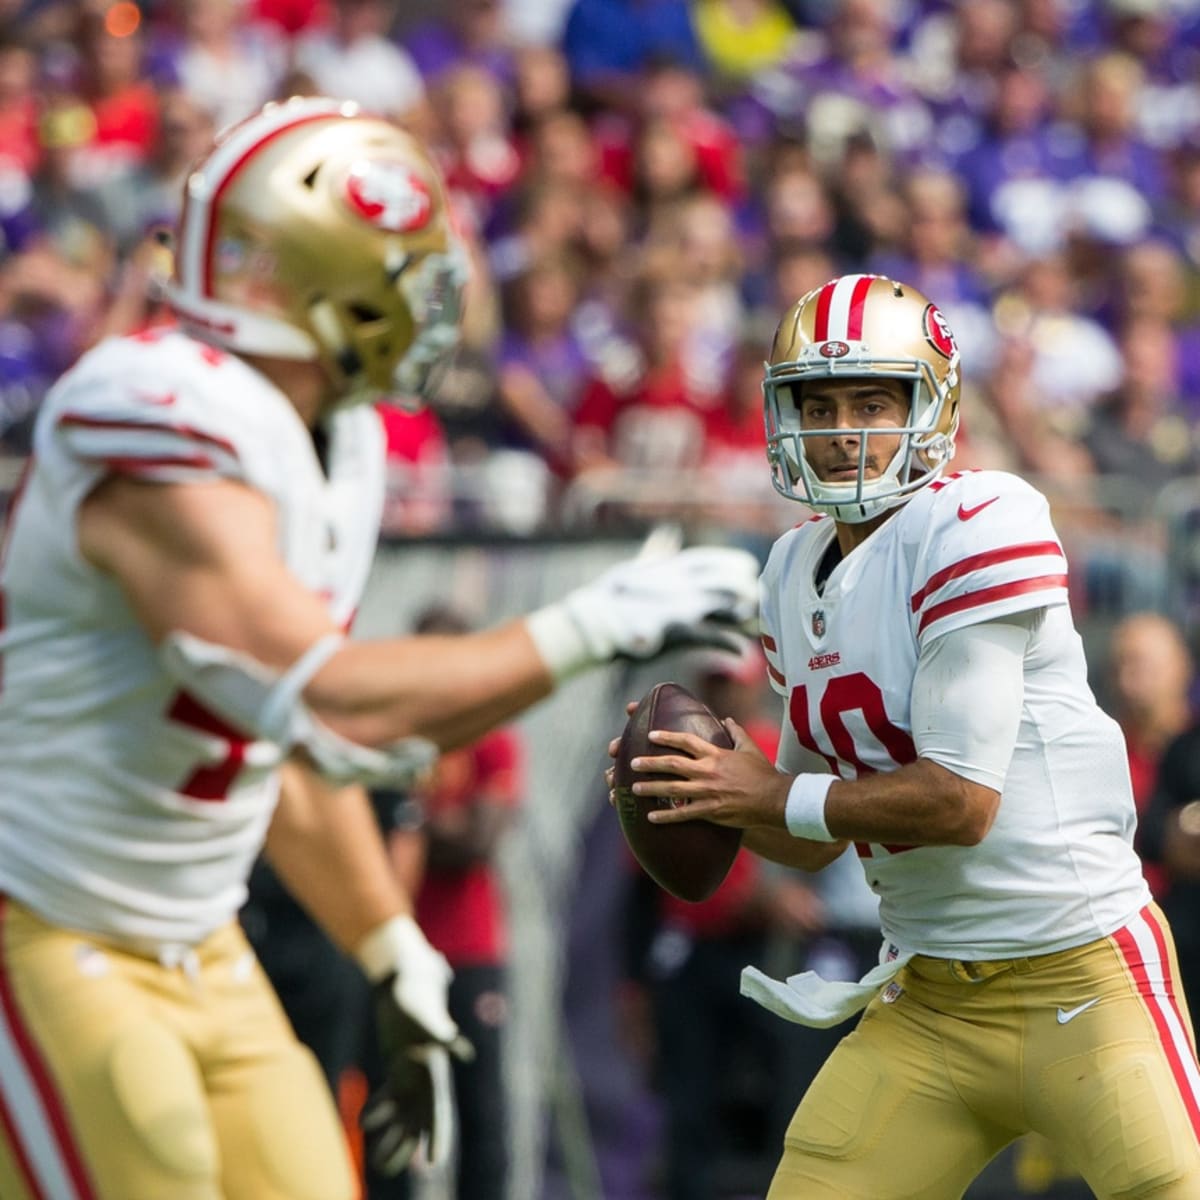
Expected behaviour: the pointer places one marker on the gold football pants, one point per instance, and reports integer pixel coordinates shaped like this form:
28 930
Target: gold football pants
1091 1047
122 1078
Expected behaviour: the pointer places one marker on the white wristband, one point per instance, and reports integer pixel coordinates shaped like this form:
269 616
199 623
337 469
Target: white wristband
389 947
805 809
559 641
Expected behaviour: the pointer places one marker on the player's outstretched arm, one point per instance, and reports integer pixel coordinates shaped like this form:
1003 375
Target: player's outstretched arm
201 568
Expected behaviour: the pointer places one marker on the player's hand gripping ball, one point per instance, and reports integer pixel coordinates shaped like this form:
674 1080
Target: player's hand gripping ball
689 859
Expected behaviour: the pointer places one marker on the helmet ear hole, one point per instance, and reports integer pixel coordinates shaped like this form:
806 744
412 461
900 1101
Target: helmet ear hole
364 314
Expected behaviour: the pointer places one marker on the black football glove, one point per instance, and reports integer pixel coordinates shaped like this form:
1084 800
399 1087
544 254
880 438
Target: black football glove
411 1117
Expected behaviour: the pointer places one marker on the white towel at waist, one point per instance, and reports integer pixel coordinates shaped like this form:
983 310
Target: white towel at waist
808 999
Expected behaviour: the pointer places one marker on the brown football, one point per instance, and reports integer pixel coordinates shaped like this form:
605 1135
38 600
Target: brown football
689 860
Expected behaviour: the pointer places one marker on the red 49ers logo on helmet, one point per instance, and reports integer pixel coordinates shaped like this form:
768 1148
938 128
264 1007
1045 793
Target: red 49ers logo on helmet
389 194
937 332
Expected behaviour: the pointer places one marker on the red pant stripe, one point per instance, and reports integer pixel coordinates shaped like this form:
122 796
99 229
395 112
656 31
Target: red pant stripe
1143 947
33 1114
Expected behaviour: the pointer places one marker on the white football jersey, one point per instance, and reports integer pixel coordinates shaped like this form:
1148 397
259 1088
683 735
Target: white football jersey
1057 868
127 808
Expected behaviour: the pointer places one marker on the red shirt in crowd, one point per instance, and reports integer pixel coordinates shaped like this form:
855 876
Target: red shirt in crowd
462 910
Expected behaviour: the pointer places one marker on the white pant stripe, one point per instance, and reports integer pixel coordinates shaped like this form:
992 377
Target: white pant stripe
23 1102
1156 973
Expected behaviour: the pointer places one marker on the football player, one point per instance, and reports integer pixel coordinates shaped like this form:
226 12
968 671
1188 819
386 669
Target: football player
190 544
918 630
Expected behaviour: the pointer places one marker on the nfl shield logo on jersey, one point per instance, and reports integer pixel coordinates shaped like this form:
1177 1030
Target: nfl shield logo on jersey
818 623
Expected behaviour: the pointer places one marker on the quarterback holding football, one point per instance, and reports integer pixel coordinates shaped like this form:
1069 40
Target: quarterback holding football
938 717
189 547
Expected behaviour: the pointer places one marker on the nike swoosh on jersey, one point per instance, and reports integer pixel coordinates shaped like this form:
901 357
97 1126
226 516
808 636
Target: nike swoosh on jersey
1065 1015
965 513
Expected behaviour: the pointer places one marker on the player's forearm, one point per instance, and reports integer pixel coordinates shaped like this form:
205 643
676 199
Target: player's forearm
781 847
448 689
921 804
324 843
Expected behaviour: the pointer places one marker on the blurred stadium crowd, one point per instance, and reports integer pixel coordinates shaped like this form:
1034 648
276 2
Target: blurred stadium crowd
645 185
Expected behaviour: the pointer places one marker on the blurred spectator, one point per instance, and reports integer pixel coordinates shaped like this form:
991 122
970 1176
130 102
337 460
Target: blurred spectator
871 216
1014 169
656 422
1179 215
477 153
541 85
670 95
856 85
1143 431
354 59
740 38
1162 38
1035 442
1105 108
559 147
665 172
290 16
735 483
796 268
1171 836
957 54
70 214
542 364
1151 673
719 1066
449 864
19 147
1152 282
608 42
462 33
151 194
226 65
548 220
792 210
111 79
419 487
797 208
1073 360
137 301
703 239
937 257
58 282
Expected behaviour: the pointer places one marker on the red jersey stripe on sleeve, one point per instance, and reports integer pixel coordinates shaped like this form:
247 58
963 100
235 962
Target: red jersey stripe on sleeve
976 562
1002 591
82 421
147 466
769 642
776 674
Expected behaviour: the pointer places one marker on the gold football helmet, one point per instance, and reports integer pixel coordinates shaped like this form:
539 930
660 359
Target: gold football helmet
313 231
854 326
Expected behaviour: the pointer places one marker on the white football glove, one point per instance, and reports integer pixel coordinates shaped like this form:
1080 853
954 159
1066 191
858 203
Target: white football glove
411 1117
643 606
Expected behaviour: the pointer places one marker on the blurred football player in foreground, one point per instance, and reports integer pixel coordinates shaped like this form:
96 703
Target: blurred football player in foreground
191 543
919 631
